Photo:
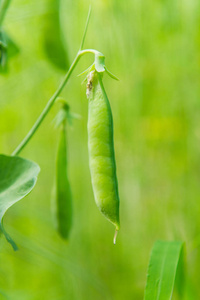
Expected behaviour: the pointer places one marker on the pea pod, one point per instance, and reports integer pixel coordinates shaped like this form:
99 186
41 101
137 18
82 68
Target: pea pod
63 201
101 150
54 46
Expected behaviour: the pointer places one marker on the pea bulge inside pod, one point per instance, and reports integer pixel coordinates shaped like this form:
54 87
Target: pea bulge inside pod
101 149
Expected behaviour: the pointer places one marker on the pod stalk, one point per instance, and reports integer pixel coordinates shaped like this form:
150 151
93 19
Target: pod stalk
115 237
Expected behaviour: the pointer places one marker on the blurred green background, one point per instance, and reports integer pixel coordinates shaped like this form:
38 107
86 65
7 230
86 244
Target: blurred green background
154 49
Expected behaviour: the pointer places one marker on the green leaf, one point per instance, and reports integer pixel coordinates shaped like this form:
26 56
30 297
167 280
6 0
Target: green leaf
53 40
165 271
17 178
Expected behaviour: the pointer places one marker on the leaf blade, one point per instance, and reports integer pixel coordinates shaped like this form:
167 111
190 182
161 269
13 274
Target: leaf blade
165 259
18 177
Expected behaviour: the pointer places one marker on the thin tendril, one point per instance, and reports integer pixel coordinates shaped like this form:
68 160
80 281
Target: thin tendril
86 28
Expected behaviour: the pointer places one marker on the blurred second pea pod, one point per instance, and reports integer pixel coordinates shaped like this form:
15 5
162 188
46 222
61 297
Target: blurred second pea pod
54 46
62 202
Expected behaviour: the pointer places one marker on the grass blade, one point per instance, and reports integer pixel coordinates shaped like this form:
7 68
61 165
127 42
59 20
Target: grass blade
165 271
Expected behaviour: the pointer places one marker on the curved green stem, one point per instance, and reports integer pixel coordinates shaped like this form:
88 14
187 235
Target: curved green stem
50 102
3 9
47 107
93 51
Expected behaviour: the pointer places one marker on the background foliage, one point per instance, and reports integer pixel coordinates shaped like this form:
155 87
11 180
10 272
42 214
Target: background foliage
153 47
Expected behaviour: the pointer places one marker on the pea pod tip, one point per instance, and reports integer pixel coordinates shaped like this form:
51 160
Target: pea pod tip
115 236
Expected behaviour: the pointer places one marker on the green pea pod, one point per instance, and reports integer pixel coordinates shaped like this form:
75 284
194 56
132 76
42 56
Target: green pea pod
53 40
101 150
63 192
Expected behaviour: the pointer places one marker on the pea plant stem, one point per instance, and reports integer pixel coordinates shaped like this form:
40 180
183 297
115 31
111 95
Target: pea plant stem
51 102
47 107
91 51
3 9
24 142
